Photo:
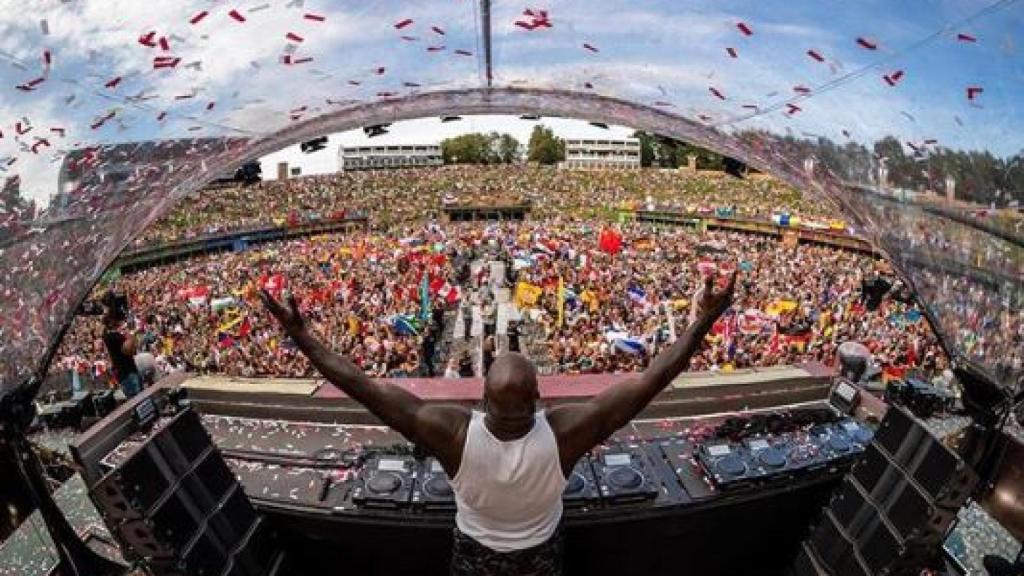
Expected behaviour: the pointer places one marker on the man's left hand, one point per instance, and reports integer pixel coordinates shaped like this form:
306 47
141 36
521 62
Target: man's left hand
288 317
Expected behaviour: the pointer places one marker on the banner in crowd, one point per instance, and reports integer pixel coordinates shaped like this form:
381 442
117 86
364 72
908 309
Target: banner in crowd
779 307
609 241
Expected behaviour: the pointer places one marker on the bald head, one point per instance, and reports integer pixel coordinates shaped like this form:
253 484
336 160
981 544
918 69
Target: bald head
510 393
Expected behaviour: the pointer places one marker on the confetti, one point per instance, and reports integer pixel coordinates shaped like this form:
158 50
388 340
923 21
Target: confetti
210 106
974 91
962 37
435 48
113 82
315 17
164 44
44 27
294 37
160 117
437 30
408 38
814 54
354 82
31 84
750 106
22 129
47 58
165 62
410 84
103 120
380 71
800 89
718 93
259 8
744 29
403 23
385 94
198 17
236 15
463 52
793 109
590 47
147 39
731 52
867 44
892 79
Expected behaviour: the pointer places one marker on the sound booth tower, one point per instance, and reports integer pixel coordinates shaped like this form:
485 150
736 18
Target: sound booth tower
174 504
892 511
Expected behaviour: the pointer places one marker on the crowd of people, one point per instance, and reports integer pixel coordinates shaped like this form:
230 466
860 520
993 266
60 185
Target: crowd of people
593 298
398 196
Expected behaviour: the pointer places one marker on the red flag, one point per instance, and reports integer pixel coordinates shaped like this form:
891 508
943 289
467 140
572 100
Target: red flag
610 241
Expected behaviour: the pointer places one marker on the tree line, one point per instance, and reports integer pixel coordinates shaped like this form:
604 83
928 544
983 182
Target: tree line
494 148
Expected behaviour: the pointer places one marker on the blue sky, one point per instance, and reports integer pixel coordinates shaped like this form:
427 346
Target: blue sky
232 78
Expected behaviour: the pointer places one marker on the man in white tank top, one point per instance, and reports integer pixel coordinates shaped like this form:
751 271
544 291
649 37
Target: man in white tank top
509 462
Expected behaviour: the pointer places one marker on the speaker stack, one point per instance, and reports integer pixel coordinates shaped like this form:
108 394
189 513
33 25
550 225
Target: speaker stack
174 504
893 509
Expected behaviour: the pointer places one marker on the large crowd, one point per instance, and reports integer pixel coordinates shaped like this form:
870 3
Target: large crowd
586 306
400 196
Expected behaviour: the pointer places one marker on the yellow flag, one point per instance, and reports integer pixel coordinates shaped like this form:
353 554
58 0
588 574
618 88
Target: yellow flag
527 294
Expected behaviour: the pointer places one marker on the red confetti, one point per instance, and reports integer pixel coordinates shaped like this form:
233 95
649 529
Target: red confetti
525 25
435 48
198 17
744 28
590 47
210 105
380 71
315 17
718 93
868 44
113 82
47 58
463 52
58 131
973 91
147 39
294 37
103 120
403 23
815 55
237 16
302 60
731 51
40 142
897 75
437 30
801 89
164 44
31 84
160 117
966 37
21 130
793 109
165 62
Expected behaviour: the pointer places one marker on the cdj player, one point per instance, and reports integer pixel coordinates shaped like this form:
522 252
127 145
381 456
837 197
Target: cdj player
624 476
433 491
385 482
581 486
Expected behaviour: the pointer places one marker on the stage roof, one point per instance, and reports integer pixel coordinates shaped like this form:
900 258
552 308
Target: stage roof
112 110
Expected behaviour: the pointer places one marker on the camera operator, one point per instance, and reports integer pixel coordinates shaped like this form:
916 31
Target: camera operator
122 348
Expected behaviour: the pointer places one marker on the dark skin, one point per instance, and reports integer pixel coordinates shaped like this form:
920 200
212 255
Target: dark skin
510 391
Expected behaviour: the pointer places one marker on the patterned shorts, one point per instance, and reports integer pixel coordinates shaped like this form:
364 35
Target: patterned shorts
471 558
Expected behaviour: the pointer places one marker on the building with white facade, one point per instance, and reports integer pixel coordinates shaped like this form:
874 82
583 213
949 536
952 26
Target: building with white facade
389 156
602 153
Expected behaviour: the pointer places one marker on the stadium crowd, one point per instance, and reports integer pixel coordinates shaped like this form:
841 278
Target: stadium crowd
397 196
625 293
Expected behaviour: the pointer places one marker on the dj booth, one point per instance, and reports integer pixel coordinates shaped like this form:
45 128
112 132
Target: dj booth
722 474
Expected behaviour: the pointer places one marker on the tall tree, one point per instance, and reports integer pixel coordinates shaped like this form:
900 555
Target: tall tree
476 148
646 147
545 147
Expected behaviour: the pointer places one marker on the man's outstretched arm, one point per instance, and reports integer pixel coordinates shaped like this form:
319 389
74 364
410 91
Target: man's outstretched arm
580 427
435 428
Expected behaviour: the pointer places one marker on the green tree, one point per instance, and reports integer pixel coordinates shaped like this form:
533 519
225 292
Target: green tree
509 149
544 147
646 147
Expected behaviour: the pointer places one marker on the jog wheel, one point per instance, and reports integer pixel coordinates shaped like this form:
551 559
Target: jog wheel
625 478
574 484
437 486
772 458
731 465
839 444
384 483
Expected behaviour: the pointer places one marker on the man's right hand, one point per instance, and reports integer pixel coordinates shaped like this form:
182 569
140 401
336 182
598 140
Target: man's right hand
288 316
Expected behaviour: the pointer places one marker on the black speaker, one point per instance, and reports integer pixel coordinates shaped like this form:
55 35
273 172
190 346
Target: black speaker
892 511
174 503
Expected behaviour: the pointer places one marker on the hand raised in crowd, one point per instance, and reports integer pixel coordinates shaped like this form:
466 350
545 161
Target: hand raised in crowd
288 317
712 304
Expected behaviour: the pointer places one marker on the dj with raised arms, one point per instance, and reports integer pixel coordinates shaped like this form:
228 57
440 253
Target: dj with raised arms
509 462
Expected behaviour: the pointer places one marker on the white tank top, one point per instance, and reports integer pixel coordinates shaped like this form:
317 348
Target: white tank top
509 494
